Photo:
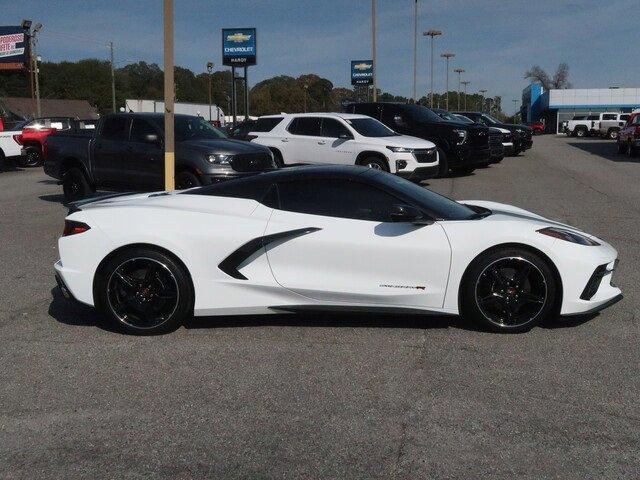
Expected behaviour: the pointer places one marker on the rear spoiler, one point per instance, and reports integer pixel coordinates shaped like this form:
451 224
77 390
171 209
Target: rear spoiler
78 204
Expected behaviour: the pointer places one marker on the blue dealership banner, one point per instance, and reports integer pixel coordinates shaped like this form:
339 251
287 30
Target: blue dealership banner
14 48
361 72
239 47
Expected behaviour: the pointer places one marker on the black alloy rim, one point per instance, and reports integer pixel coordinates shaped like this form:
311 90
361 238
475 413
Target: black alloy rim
374 165
142 293
33 157
511 292
184 183
72 187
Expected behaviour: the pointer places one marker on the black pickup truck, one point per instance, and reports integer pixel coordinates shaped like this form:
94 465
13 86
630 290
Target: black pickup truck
126 152
522 134
461 147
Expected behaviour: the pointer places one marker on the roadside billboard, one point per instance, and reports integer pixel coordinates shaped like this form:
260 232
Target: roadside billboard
14 50
361 72
239 47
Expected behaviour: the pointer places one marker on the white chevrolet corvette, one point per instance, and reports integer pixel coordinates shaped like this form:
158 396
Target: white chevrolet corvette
326 238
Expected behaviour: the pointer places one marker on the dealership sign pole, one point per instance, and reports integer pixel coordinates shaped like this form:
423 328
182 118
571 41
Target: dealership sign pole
239 49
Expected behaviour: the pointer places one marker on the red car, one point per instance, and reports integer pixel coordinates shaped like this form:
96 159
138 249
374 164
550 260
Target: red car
538 127
628 140
35 133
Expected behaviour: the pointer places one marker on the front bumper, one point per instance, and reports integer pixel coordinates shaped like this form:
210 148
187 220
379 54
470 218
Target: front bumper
465 155
420 173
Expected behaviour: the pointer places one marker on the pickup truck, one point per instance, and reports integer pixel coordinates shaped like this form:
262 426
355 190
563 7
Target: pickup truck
126 152
461 148
611 123
583 125
628 140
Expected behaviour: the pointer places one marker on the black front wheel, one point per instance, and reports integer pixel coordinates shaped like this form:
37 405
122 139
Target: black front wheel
466 170
509 290
186 180
144 291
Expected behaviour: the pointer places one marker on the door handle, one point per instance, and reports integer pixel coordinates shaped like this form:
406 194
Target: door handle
284 140
322 142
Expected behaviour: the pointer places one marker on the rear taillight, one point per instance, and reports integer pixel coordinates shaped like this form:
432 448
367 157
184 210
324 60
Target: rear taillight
18 138
72 227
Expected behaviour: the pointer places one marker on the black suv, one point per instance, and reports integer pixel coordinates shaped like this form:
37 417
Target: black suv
461 147
522 135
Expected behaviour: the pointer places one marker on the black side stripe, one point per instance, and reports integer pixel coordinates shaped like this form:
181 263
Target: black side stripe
230 264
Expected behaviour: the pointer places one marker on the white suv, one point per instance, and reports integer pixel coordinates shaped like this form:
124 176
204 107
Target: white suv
346 139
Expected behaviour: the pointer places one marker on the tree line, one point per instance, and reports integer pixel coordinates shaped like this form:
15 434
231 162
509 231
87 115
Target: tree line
90 80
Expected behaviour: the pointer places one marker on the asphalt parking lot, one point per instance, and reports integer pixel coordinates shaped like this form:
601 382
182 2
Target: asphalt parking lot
328 396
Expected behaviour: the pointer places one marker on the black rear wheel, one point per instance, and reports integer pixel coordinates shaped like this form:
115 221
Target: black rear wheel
33 158
144 291
75 185
509 290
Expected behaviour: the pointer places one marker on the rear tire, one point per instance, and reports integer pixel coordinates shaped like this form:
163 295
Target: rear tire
580 132
75 185
508 290
612 133
32 159
443 164
143 291
375 163
186 179
621 147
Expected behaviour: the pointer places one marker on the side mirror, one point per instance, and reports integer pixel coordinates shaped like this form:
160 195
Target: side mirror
408 214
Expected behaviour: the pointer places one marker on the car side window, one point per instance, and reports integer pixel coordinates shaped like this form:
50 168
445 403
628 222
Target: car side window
609 116
140 129
624 117
332 128
115 128
307 126
337 198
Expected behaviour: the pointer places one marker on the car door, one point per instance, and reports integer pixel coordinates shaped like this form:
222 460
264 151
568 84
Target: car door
146 155
304 143
340 245
338 145
110 154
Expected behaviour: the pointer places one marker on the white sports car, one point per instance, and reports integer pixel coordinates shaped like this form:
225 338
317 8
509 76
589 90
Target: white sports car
338 238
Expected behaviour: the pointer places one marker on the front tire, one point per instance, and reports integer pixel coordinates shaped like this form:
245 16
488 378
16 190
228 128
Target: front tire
613 133
186 179
144 291
467 170
508 290
75 185
443 164
375 163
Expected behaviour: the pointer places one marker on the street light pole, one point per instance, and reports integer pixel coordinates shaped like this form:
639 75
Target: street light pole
373 50
515 110
36 70
447 56
113 80
431 33
465 83
306 89
415 48
459 71
209 71
482 92
169 96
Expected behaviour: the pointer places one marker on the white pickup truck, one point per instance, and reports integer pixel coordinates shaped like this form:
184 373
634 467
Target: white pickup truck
9 148
583 125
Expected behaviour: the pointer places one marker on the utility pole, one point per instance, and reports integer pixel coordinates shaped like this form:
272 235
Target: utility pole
169 95
447 56
482 92
36 70
432 33
306 89
113 80
209 88
515 110
465 83
459 71
415 48
373 50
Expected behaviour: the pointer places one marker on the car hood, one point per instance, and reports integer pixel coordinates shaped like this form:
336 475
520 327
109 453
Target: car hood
406 141
503 211
223 146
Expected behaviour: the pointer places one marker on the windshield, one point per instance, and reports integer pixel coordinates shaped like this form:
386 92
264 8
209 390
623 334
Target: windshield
437 205
449 117
370 127
490 119
194 128
418 113
463 119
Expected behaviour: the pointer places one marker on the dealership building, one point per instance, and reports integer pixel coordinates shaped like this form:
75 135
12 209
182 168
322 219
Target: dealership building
556 106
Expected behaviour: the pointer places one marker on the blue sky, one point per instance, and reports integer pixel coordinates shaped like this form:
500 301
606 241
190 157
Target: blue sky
495 41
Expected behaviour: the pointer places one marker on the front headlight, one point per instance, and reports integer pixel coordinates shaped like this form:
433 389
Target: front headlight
568 236
400 149
219 159
461 136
